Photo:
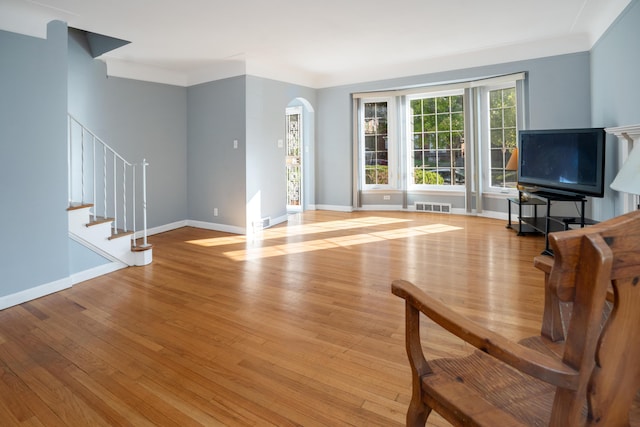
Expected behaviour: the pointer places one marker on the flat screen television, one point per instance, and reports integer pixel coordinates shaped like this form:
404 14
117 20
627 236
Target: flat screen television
562 161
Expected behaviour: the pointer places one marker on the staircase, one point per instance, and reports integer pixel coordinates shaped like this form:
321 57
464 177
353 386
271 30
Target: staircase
107 199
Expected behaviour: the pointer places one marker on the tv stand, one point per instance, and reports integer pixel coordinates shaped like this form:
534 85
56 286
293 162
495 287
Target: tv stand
549 223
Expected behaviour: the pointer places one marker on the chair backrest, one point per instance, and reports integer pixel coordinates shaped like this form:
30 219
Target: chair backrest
587 263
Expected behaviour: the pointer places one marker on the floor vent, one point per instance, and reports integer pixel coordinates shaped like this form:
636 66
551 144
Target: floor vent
433 207
261 224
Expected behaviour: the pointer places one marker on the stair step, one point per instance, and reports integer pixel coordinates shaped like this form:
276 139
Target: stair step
140 248
120 233
75 205
98 220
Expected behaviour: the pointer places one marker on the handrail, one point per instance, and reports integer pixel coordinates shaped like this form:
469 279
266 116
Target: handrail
79 174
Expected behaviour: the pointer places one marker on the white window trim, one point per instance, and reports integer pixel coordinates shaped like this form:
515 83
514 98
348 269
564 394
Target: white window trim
439 92
476 173
392 145
485 139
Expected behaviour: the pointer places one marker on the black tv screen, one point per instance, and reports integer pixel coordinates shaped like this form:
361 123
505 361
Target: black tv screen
563 161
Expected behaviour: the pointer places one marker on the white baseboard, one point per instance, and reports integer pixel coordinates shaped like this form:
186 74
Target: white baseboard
96 271
162 228
338 208
397 208
34 293
216 227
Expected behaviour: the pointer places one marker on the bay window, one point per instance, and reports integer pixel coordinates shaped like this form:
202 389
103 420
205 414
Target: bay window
456 138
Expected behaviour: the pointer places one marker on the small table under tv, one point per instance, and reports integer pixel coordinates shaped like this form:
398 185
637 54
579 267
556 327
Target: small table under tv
548 223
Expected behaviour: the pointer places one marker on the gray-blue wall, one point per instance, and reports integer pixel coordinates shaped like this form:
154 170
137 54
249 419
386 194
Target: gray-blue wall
216 171
139 120
187 134
558 95
615 88
267 101
33 154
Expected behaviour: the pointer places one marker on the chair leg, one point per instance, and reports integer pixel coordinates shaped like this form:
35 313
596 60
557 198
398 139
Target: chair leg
418 411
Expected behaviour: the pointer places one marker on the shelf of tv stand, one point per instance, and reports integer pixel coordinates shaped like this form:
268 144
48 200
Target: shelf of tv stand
549 223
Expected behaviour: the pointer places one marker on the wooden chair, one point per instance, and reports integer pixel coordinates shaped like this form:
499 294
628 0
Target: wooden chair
589 378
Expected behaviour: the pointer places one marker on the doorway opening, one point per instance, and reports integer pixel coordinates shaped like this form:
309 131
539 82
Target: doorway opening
294 160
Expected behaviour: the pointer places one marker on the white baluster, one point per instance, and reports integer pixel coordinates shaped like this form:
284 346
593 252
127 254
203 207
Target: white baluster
144 202
133 221
124 196
82 164
70 159
93 154
104 177
115 194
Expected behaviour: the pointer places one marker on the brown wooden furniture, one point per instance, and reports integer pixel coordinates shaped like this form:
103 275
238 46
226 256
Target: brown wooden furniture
588 376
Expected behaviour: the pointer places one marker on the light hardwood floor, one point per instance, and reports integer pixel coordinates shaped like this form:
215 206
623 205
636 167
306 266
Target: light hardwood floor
297 328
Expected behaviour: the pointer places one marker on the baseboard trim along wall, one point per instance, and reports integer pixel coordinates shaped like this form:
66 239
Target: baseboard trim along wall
96 272
216 227
34 293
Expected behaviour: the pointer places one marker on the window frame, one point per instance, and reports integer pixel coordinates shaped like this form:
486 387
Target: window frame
392 144
476 138
485 138
436 93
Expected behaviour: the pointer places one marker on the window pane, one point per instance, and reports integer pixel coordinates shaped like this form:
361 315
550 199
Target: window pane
510 117
442 104
417 124
417 158
497 139
416 107
495 99
457 121
458 158
509 97
496 156
430 140
510 138
429 123
417 140
503 123
369 110
457 103
456 140
442 139
430 158
444 122
495 117
376 143
429 106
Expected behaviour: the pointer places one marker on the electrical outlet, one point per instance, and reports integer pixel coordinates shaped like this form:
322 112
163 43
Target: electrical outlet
386 197
235 143
215 211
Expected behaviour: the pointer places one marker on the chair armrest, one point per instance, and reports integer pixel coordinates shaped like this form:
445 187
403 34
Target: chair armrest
538 365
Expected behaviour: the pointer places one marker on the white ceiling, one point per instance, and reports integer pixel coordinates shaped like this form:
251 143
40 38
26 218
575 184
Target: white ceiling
318 43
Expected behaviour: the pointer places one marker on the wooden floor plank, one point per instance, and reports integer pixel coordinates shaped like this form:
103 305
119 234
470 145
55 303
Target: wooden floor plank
298 327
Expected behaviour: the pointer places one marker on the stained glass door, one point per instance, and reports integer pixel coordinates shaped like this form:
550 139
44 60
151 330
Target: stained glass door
294 159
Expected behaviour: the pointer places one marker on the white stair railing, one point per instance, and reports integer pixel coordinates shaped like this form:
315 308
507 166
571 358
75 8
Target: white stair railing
92 173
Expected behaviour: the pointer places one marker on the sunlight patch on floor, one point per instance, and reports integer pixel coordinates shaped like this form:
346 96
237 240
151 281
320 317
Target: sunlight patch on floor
336 242
301 230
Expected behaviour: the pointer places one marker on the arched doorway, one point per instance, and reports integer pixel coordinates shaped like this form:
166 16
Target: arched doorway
294 150
299 155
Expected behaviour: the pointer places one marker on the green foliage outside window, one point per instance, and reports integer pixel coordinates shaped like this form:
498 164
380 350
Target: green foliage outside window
421 176
376 174
503 134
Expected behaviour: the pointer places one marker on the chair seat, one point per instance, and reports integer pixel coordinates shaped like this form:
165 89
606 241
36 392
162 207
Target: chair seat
482 390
